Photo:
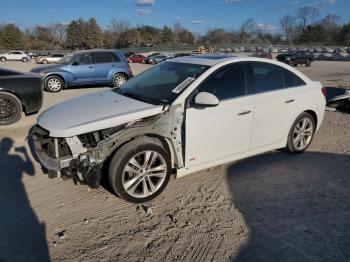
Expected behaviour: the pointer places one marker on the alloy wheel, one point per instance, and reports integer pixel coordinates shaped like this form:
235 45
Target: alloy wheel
303 133
144 174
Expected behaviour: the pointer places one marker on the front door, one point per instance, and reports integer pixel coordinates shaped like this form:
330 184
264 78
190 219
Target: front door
216 133
82 69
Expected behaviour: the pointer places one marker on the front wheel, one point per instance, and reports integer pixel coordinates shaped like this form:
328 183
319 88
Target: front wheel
308 63
301 133
119 80
53 84
10 109
140 170
3 59
24 59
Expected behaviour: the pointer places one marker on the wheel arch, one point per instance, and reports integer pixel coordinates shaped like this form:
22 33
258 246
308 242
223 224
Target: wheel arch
313 114
165 142
57 75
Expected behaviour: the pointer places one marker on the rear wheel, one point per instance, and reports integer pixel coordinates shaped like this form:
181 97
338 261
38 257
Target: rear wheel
10 109
24 59
301 133
45 61
308 63
119 80
140 170
3 59
53 84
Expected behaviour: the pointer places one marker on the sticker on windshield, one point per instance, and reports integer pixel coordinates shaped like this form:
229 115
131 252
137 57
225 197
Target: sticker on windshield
183 85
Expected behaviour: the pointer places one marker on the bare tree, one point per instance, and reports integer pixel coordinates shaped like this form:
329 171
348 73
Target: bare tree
307 14
287 23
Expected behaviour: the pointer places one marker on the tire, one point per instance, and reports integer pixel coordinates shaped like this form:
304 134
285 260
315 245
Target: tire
10 109
308 63
296 143
45 61
295 65
119 79
136 185
24 59
3 59
53 84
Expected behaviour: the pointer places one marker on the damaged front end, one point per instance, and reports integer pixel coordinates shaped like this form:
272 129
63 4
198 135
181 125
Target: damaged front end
81 157
72 157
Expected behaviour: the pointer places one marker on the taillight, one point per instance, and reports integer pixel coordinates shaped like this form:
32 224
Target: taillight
324 91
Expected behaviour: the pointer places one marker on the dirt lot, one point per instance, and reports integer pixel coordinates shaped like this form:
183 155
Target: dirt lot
273 207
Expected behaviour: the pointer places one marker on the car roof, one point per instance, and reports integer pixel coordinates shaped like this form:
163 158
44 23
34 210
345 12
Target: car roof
94 50
208 60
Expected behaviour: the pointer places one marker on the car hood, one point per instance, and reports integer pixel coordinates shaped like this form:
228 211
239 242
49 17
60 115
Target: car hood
46 68
94 112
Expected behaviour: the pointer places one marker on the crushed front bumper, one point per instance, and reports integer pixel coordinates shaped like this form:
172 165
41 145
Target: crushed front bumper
48 157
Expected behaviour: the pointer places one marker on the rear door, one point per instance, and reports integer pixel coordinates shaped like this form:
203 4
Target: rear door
272 105
104 62
82 69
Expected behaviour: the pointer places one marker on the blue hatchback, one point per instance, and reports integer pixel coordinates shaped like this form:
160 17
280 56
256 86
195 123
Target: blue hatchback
83 68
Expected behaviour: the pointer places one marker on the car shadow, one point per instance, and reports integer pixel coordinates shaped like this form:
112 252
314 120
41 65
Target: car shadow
297 207
22 236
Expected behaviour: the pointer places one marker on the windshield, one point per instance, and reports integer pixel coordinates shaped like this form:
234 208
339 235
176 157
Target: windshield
66 59
163 83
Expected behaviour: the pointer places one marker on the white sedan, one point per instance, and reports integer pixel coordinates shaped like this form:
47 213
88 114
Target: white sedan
54 58
181 116
14 56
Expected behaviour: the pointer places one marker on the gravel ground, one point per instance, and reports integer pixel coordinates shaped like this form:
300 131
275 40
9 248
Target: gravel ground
272 207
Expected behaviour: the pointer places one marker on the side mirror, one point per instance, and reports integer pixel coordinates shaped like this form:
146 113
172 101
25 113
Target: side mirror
206 99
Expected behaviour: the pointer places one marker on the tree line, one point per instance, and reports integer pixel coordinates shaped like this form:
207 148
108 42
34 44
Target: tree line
303 27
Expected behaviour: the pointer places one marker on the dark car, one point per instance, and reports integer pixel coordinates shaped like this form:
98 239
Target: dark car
18 92
298 57
86 68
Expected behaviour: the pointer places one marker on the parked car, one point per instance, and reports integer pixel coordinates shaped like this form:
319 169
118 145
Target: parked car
152 127
156 59
30 54
136 59
18 92
14 56
81 68
296 58
54 58
263 55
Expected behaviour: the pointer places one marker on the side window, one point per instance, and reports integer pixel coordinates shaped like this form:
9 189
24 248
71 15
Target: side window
84 59
114 57
291 79
226 83
267 77
104 57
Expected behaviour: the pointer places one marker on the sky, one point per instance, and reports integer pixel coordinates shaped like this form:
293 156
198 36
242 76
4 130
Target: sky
196 15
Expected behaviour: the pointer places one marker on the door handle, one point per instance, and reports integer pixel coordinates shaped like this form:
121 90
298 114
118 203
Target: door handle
244 112
289 101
